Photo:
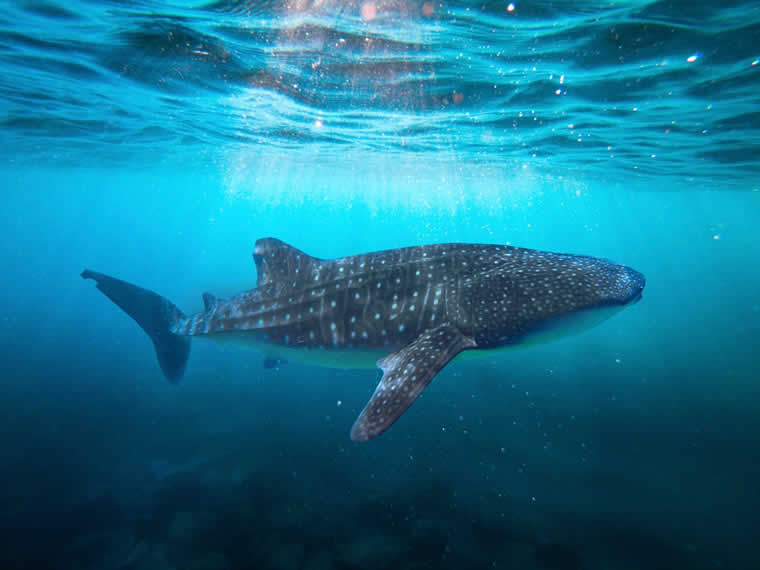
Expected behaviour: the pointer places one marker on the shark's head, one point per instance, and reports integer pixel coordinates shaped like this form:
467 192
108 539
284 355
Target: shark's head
531 296
610 284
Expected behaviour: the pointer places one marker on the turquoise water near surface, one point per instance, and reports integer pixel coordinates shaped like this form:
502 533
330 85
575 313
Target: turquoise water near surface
156 141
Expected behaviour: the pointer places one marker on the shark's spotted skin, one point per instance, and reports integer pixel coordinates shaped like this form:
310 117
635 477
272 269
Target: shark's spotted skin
421 305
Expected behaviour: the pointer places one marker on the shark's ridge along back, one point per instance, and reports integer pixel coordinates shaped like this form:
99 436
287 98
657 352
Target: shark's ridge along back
420 306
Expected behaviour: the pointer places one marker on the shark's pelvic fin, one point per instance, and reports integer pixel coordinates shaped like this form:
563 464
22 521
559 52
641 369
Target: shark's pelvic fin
406 373
155 315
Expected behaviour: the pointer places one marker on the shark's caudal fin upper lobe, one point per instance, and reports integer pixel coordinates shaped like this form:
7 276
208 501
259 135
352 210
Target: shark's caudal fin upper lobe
155 315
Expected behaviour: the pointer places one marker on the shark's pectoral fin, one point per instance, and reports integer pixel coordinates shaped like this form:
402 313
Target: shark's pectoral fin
406 373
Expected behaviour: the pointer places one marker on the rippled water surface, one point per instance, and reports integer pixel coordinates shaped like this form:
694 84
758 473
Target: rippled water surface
614 88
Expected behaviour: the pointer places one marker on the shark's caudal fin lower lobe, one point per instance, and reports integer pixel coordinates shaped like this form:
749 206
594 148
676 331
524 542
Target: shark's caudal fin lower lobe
155 315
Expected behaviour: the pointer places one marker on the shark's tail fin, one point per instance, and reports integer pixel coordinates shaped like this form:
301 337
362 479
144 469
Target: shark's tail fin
155 315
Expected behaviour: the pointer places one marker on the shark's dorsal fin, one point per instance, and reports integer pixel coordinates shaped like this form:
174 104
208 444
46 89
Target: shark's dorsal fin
279 263
209 302
406 373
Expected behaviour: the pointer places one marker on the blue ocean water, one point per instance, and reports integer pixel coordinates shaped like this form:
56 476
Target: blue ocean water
156 141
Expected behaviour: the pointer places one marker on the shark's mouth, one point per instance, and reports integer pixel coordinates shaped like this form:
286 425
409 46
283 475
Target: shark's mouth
635 299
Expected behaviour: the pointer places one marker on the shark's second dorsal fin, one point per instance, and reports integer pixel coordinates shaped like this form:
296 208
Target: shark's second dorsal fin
279 263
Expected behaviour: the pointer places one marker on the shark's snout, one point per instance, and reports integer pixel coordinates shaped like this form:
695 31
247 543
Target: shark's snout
634 285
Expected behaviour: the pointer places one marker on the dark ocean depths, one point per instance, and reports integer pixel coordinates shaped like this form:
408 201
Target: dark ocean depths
156 141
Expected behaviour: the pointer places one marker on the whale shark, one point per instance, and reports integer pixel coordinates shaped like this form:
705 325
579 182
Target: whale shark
409 311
